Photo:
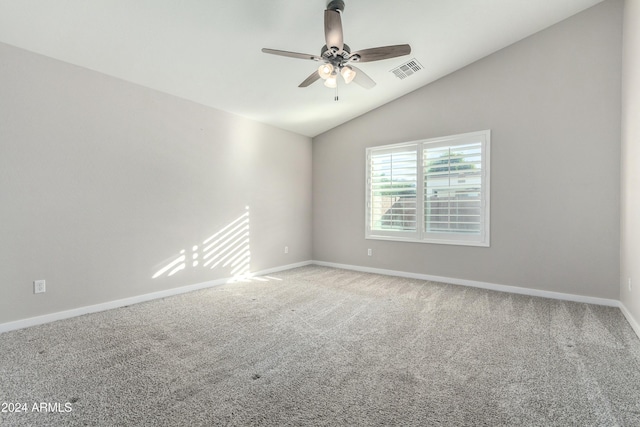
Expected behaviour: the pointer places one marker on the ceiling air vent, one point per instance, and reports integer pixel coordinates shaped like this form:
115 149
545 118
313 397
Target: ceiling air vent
408 68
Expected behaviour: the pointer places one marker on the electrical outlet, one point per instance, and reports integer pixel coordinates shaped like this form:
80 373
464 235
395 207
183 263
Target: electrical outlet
369 252
39 286
286 249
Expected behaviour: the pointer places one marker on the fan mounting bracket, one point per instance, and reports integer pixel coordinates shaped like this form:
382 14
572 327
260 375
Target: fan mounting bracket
336 5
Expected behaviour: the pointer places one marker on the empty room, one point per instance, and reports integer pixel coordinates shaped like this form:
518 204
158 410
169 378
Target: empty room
320 213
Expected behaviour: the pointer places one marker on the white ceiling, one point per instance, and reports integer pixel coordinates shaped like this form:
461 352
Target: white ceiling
208 51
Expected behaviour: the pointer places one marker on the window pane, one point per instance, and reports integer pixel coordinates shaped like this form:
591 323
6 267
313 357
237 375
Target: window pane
452 189
393 176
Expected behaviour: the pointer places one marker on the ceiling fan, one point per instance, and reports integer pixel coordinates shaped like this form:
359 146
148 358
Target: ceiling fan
336 56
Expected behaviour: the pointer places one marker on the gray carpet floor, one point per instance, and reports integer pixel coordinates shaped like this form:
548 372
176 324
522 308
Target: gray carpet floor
328 347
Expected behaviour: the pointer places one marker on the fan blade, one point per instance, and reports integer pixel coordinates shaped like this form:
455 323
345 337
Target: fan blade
362 79
312 78
379 53
292 54
333 29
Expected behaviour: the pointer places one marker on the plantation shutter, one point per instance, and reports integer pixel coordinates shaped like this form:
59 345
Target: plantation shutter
453 188
392 177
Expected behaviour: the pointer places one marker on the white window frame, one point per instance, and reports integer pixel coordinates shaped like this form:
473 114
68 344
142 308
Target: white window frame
421 235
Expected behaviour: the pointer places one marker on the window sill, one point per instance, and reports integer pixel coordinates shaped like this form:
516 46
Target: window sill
433 241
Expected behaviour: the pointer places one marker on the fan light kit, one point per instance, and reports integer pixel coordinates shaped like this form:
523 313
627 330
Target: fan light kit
336 56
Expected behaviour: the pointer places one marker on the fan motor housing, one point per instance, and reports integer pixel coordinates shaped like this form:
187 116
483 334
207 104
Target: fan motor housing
333 54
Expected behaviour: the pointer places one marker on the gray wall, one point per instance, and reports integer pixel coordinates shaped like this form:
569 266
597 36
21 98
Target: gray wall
552 102
630 214
102 183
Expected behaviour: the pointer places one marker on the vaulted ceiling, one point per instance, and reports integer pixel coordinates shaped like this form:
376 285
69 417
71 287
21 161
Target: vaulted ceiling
209 51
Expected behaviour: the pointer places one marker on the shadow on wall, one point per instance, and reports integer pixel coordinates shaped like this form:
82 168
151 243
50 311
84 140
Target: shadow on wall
229 247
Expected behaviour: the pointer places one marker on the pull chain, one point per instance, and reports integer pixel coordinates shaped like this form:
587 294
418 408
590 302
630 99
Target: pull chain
335 98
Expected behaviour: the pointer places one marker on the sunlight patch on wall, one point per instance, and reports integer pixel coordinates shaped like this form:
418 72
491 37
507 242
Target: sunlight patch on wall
227 248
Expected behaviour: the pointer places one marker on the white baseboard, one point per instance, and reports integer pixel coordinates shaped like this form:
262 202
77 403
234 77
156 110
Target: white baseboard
60 315
52 317
476 284
282 268
633 322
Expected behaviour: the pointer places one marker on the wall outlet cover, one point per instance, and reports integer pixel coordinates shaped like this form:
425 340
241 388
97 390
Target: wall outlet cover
39 286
